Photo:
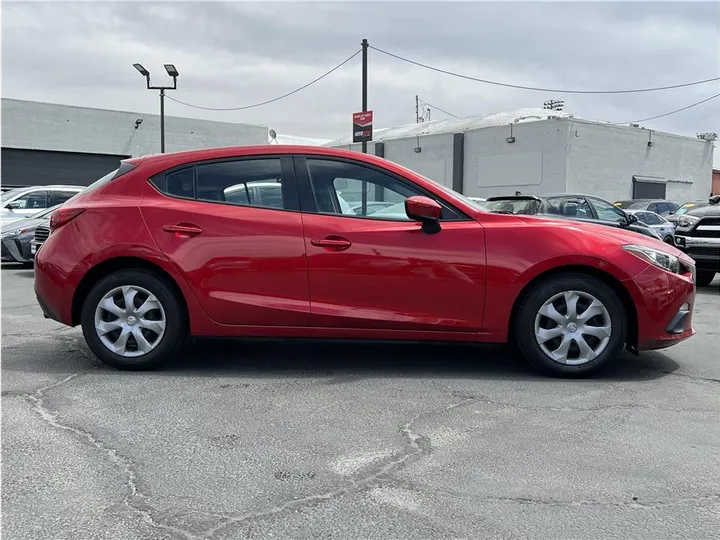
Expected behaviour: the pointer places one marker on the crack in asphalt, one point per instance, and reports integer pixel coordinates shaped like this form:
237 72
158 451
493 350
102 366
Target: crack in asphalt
633 502
416 445
135 499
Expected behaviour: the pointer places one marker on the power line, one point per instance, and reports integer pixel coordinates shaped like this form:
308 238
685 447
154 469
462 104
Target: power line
538 89
269 100
438 108
673 112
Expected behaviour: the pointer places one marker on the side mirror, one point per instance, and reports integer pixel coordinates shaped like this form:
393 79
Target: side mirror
426 211
631 218
12 205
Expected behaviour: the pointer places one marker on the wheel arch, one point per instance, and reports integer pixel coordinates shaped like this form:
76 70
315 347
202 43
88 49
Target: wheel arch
107 267
611 281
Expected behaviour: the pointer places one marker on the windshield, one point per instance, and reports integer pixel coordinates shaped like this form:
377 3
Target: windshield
685 208
511 206
9 194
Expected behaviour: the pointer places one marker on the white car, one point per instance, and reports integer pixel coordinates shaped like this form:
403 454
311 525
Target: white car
20 203
659 224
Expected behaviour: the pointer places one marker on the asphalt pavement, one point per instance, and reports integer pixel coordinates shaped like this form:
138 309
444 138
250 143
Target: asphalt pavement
307 440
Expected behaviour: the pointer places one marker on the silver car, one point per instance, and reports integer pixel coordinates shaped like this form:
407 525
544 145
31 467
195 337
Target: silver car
662 226
19 203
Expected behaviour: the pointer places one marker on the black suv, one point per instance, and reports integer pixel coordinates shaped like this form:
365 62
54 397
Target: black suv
568 206
698 235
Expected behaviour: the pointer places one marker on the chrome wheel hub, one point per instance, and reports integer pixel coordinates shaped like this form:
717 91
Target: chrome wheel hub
130 321
573 328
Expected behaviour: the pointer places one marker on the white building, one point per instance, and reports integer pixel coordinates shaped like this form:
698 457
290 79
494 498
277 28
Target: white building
539 151
45 143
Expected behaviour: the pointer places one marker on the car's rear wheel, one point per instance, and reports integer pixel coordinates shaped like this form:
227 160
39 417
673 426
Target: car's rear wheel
571 325
705 277
669 240
132 319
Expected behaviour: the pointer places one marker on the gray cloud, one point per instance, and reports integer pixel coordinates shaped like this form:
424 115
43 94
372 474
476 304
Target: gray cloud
235 54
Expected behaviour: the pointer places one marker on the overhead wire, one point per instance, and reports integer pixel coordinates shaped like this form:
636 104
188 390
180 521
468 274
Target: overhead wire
540 89
438 108
673 112
278 98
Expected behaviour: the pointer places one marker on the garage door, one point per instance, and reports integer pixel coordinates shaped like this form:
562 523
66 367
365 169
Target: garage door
649 187
41 167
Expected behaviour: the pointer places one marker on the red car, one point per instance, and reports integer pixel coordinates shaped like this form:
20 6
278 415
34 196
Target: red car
293 241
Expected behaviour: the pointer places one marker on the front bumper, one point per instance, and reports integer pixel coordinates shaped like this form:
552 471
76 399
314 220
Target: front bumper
664 303
15 250
705 251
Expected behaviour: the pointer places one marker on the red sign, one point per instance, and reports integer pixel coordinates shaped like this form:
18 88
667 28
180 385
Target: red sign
362 126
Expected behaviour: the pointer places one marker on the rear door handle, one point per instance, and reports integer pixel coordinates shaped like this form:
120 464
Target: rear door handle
183 230
332 241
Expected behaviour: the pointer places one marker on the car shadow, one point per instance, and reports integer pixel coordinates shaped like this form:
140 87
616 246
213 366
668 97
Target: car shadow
250 358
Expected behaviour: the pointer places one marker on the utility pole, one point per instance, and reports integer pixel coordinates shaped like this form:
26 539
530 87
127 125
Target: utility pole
364 87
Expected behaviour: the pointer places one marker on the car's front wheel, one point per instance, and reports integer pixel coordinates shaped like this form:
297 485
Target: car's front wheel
669 240
132 319
570 325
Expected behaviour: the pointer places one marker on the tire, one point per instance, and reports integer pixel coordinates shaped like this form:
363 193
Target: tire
669 240
163 342
584 288
705 278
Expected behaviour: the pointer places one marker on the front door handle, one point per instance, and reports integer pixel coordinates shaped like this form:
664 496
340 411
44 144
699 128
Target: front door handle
183 229
333 242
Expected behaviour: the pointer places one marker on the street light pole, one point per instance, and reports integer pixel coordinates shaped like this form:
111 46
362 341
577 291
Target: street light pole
173 72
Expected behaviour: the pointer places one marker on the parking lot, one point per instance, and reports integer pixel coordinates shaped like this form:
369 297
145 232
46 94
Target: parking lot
263 439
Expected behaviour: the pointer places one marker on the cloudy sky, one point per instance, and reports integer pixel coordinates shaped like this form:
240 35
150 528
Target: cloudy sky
237 54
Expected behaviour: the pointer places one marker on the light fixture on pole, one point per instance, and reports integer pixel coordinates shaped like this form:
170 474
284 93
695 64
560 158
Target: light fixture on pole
173 72
554 104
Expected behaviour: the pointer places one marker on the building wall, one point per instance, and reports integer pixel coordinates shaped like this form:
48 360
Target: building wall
46 126
534 163
434 161
602 160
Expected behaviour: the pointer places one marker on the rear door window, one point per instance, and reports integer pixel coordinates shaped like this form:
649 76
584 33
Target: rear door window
35 200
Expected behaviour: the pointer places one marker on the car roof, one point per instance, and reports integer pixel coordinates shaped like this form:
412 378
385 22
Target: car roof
240 151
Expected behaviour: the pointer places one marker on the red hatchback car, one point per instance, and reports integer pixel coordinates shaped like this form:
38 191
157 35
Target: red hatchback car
293 241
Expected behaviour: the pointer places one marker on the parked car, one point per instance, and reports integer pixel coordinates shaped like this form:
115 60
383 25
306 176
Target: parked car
684 209
19 203
698 235
16 236
568 206
140 266
662 226
657 206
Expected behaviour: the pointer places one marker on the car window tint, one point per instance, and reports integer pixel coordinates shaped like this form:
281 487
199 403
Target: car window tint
652 219
338 188
180 183
652 207
59 197
572 207
671 207
35 200
247 182
608 212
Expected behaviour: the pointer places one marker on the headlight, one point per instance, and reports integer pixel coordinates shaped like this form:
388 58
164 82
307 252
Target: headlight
15 232
661 259
685 222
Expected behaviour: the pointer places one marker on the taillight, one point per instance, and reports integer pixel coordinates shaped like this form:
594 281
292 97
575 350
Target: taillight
62 216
